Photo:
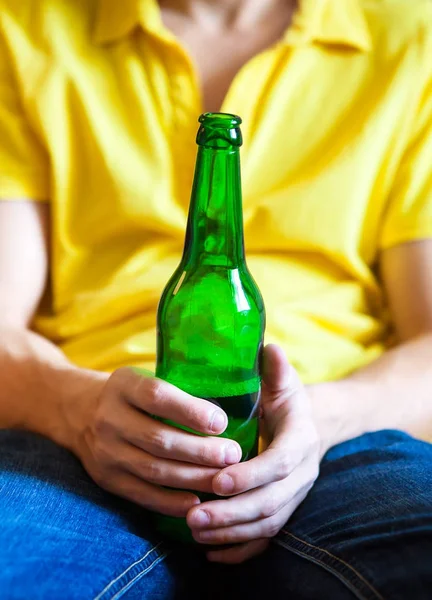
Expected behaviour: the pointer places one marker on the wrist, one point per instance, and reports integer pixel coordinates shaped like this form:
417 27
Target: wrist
41 391
69 396
81 391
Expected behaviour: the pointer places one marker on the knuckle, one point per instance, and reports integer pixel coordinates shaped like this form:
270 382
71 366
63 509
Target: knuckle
119 377
156 392
224 538
102 453
272 527
152 471
160 441
103 424
283 467
105 478
270 509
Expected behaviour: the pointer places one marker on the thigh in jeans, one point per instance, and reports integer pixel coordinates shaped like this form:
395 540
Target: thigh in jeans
364 531
61 536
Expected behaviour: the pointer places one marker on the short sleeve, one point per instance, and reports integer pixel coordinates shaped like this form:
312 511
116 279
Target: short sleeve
24 165
409 213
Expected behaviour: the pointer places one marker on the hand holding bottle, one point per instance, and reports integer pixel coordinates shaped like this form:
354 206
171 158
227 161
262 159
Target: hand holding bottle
131 454
264 491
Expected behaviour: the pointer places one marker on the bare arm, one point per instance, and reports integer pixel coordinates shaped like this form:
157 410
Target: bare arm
396 390
104 419
37 380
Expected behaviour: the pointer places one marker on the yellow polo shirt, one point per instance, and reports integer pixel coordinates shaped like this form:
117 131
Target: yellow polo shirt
98 115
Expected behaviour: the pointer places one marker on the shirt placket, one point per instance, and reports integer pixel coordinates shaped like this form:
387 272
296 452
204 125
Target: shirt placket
186 104
186 108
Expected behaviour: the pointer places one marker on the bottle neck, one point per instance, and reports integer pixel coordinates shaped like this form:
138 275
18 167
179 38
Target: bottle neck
214 233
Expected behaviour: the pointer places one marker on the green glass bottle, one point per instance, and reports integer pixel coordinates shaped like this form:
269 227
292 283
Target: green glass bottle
211 315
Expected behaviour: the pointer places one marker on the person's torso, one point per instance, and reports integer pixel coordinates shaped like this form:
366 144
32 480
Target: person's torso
326 112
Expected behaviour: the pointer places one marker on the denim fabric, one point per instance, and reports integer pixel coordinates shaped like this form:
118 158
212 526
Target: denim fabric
364 531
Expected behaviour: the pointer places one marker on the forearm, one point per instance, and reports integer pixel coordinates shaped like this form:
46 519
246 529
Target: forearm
394 392
38 385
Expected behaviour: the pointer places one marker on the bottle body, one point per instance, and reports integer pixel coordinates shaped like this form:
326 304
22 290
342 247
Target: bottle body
210 335
211 315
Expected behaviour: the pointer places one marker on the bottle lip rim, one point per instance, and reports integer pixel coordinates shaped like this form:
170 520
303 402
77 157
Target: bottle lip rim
220 119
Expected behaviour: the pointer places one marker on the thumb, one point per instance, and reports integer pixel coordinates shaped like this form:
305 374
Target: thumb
283 393
282 387
278 375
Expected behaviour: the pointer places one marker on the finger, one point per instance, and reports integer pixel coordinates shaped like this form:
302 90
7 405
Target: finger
263 527
245 532
164 400
165 441
238 554
283 394
248 507
277 373
161 471
290 448
151 497
272 465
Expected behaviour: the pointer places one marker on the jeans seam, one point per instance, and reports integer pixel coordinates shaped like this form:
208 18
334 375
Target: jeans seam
130 583
113 587
351 578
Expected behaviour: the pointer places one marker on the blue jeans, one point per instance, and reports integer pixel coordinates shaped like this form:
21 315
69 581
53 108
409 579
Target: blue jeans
364 531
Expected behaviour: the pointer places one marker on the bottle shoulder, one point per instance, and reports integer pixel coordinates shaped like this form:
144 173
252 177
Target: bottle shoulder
214 285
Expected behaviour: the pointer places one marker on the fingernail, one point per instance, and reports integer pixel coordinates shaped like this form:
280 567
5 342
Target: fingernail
231 454
218 422
225 483
200 518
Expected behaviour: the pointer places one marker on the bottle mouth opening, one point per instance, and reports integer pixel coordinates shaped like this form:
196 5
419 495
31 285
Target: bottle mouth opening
219 119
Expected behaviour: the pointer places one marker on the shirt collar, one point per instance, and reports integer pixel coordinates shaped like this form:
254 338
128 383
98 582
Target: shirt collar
115 19
328 22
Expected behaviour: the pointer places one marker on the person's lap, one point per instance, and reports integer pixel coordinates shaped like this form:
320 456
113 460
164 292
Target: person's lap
364 531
